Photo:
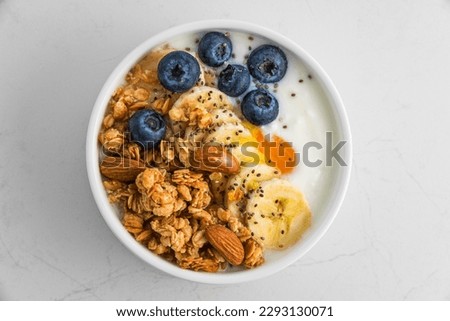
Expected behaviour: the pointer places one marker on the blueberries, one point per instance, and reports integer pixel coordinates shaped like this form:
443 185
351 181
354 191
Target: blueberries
259 107
234 80
214 49
147 127
267 64
178 71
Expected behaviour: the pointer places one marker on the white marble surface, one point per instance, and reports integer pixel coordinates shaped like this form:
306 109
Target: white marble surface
389 59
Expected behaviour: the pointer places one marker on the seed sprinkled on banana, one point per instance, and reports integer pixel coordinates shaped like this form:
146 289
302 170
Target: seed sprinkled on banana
247 180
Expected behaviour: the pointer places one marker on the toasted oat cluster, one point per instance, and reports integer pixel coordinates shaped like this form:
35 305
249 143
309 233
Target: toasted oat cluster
169 203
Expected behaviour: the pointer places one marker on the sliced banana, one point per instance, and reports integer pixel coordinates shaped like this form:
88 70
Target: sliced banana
238 140
250 177
221 116
242 184
227 133
194 134
277 214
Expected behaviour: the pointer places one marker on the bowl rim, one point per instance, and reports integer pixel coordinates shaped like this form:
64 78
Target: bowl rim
95 181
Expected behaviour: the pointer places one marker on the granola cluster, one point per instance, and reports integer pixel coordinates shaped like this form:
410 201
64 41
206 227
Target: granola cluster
169 205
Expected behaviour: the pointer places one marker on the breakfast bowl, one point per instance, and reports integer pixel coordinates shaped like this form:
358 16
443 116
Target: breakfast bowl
221 241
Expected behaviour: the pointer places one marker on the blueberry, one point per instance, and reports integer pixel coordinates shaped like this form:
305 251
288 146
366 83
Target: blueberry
267 64
234 80
259 107
178 71
214 49
147 127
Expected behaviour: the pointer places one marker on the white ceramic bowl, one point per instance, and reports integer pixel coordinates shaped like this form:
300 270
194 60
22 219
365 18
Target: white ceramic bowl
322 218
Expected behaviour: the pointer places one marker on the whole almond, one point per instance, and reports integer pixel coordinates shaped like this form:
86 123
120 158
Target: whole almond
226 243
121 169
215 158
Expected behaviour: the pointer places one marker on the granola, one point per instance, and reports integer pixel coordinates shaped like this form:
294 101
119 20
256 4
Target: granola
168 201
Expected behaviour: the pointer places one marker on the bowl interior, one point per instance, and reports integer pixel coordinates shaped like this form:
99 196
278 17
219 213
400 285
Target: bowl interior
324 186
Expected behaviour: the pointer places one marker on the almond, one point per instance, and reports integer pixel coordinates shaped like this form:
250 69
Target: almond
214 158
226 243
121 169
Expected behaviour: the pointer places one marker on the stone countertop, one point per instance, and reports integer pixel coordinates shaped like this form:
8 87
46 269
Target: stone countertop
390 62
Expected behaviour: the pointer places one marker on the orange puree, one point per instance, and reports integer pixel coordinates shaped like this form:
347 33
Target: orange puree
275 150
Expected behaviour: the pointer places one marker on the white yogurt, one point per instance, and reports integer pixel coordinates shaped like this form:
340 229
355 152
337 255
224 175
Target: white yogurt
303 118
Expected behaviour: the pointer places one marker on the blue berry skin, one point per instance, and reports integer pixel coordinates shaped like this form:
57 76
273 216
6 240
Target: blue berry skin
267 64
147 128
259 107
214 49
234 80
178 71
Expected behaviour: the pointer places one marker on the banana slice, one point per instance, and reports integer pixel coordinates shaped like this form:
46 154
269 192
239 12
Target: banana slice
227 133
201 99
194 134
150 65
238 140
242 184
221 116
208 98
215 132
277 214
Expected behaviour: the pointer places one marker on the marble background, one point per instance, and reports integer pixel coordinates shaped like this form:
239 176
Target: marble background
390 61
